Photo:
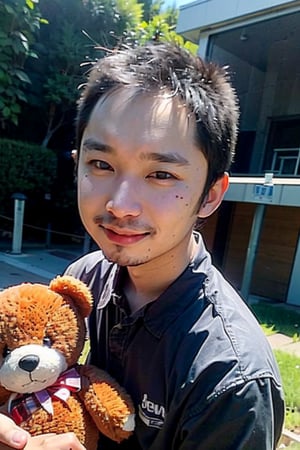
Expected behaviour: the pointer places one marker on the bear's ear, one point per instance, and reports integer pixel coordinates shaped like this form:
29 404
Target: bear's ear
76 289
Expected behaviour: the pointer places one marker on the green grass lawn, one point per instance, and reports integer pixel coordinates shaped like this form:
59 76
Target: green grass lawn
293 447
289 366
285 320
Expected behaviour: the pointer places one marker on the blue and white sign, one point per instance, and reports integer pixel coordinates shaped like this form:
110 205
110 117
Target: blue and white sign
264 193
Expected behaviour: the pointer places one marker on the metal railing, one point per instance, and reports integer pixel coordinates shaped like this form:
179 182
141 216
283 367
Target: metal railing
286 161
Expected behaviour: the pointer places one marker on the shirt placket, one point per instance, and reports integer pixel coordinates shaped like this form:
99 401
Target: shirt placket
118 338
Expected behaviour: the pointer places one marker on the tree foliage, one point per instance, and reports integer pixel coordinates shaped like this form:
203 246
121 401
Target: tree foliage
161 27
42 63
72 33
19 21
75 28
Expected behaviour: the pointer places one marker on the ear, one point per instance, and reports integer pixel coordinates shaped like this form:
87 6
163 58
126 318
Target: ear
74 154
75 159
214 197
76 289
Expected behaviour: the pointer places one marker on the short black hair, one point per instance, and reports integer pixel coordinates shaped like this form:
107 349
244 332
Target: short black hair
203 87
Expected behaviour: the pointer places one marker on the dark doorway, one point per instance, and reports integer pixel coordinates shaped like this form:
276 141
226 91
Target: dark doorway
284 134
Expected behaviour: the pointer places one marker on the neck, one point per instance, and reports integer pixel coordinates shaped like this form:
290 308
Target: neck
148 281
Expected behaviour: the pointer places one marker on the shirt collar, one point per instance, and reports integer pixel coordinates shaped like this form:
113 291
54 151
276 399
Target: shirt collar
109 287
159 314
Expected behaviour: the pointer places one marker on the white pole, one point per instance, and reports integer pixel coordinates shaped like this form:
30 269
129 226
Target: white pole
252 249
18 223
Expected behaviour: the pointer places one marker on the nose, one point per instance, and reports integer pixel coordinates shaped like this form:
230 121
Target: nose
125 200
29 362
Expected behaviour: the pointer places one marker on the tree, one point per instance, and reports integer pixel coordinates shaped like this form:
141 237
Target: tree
113 18
19 21
160 27
75 29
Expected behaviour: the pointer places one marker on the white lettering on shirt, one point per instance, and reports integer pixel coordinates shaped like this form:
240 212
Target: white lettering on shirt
151 414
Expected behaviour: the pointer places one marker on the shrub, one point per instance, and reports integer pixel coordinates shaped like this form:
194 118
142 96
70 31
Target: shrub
26 168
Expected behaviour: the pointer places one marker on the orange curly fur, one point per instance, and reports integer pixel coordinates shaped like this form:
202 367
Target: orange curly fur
26 311
115 403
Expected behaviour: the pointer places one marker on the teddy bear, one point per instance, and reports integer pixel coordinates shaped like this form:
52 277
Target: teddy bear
42 385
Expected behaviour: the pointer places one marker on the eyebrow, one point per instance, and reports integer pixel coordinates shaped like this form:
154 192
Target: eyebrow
171 157
91 144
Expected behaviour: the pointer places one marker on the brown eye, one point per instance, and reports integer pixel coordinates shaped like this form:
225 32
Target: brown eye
102 165
5 352
163 175
47 342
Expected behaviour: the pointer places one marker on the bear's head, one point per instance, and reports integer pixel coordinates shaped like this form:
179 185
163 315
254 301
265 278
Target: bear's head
42 332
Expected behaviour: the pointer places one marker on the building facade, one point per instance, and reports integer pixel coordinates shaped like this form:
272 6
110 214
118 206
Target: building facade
255 235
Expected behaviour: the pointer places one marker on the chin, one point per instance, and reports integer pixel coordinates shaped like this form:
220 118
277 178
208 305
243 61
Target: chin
125 260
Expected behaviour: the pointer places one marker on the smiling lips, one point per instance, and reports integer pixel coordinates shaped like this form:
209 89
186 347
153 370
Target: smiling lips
123 237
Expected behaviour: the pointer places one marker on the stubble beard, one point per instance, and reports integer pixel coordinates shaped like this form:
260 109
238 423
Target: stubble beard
117 257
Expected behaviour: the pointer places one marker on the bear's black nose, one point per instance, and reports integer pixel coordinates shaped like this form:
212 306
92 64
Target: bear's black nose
29 362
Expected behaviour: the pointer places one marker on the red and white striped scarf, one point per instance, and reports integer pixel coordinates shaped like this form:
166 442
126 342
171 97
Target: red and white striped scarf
21 406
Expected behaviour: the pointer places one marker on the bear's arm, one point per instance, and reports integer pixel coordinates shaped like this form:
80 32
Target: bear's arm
107 402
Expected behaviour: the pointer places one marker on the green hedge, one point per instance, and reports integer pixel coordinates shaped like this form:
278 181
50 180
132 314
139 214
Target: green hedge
26 168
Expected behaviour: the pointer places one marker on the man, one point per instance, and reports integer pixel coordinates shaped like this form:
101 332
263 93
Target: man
156 134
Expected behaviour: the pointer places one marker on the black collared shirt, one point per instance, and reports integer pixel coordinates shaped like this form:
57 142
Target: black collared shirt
195 361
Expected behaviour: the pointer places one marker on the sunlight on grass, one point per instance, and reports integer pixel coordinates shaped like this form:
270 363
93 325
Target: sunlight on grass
294 446
268 329
289 366
85 352
278 319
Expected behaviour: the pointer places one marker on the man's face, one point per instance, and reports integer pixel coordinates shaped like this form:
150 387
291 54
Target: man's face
140 177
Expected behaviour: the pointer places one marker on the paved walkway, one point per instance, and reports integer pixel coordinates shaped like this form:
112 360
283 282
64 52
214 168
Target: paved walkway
41 265
34 265
281 342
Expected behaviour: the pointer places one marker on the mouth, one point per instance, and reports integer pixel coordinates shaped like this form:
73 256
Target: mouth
124 237
32 380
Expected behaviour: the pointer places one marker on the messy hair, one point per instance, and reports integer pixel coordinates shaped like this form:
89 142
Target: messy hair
204 88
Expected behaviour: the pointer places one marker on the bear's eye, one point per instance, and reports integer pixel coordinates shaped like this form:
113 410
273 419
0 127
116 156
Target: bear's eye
47 341
5 352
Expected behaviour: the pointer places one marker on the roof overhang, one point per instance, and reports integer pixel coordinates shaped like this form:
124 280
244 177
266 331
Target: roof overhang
209 16
281 191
